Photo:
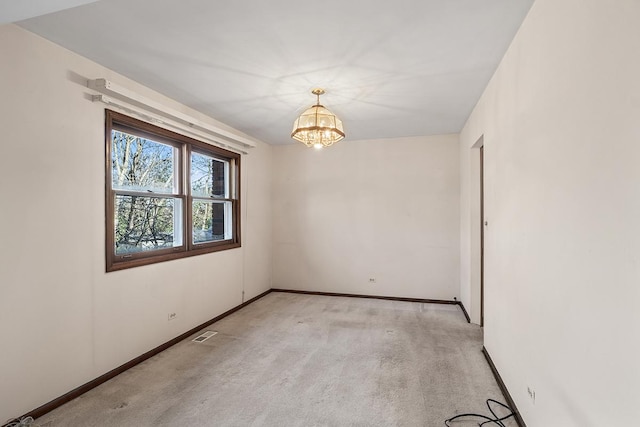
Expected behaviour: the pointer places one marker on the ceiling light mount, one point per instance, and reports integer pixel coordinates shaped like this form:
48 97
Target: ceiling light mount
317 126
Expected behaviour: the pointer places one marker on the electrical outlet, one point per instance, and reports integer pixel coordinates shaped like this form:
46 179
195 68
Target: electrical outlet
171 316
532 395
372 280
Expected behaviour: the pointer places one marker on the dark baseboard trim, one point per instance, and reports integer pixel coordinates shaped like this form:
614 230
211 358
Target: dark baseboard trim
464 311
337 294
503 388
47 407
334 294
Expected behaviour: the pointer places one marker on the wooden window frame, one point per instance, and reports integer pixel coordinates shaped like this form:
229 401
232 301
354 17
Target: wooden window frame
185 145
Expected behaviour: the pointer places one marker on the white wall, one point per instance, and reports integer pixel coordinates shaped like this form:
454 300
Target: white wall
383 209
63 320
561 126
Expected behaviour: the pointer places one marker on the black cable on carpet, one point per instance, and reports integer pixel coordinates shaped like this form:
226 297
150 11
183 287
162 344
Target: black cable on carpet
495 420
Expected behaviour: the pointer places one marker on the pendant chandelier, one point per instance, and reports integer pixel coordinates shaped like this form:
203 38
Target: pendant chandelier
317 127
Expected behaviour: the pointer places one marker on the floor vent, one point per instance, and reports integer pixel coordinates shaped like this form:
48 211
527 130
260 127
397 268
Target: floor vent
204 336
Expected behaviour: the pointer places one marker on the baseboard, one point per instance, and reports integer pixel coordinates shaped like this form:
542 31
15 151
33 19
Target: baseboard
48 407
464 311
336 294
503 388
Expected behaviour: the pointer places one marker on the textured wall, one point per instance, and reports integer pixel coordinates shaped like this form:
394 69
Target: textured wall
386 209
561 132
63 320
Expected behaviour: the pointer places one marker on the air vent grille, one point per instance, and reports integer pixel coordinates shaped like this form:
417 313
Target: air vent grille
204 336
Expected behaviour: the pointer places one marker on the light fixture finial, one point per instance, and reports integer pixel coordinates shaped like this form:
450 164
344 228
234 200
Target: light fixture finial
317 92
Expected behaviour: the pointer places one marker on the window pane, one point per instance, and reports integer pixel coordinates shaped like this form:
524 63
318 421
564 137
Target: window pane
140 164
146 223
210 221
209 176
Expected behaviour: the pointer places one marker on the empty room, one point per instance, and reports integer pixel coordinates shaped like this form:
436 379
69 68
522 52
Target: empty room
277 213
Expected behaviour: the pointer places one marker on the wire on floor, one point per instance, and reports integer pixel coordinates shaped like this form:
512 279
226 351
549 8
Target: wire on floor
487 420
22 422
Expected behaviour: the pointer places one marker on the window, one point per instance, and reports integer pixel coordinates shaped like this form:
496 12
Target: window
167 196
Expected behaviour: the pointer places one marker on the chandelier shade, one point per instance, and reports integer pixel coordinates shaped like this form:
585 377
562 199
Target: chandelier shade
317 126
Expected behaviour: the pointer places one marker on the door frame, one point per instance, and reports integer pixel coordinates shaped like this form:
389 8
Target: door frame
483 224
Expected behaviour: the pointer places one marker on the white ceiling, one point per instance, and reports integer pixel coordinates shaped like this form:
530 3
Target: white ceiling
16 10
390 68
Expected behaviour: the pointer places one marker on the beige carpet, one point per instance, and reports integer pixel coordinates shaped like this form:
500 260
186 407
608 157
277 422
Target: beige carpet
303 360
